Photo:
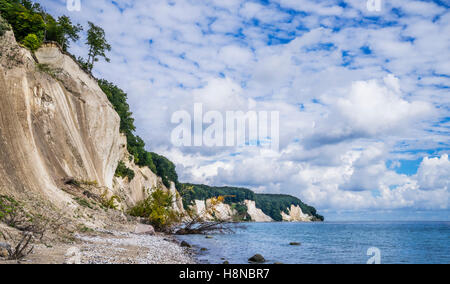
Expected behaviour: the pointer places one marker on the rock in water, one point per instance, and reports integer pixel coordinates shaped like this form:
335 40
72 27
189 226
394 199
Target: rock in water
226 262
295 244
209 237
257 258
185 244
142 229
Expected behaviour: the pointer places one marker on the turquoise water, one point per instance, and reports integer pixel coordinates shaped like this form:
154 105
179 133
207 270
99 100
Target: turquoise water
344 243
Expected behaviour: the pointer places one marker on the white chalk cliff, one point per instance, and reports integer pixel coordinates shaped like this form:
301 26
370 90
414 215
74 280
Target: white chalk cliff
296 215
256 214
207 211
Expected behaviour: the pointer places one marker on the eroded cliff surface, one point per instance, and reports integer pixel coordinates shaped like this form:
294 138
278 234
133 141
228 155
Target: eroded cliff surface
55 123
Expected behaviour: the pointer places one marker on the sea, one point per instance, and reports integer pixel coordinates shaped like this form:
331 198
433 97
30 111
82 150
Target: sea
328 243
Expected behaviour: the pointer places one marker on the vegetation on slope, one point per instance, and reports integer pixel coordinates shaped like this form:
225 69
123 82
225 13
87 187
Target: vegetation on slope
157 209
123 171
232 195
271 204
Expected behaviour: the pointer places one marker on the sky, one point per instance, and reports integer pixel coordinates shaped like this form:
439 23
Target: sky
363 95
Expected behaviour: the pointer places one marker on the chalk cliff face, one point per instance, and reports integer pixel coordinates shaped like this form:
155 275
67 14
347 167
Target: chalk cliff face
207 211
296 215
51 129
256 214
55 122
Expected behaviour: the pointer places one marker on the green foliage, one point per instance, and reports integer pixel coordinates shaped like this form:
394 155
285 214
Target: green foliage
25 17
242 214
83 202
62 31
98 45
32 42
45 68
8 207
191 192
118 99
165 169
122 171
28 18
85 65
110 203
158 210
14 215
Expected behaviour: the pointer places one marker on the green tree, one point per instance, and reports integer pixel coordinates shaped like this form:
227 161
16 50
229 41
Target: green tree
32 42
158 210
62 31
25 18
98 45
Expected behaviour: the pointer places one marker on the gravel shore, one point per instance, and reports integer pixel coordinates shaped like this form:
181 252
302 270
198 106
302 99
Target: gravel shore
128 248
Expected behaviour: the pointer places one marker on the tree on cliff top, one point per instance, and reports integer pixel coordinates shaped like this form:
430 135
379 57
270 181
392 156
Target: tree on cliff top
32 25
98 45
62 31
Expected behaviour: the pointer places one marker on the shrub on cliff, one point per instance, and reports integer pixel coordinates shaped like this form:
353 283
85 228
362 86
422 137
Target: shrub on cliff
122 171
158 210
32 42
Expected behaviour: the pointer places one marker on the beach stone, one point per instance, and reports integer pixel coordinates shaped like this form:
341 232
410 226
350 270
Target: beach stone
185 244
3 253
295 244
4 247
257 258
142 229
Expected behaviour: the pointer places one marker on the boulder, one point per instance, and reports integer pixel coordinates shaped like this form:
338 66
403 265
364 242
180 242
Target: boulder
142 229
257 258
4 250
185 244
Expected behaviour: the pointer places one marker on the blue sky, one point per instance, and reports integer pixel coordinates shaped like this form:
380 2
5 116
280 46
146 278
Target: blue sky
363 96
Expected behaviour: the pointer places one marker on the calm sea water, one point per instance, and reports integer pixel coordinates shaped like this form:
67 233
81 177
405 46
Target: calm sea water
343 243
